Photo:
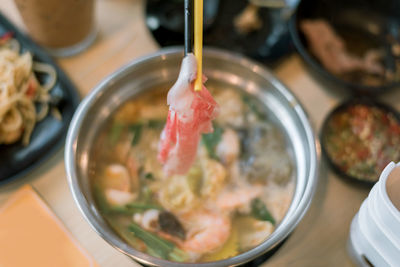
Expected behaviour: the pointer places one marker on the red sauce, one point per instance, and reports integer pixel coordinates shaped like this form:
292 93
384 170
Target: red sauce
361 140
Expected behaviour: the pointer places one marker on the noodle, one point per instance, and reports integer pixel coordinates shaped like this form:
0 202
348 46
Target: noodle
23 100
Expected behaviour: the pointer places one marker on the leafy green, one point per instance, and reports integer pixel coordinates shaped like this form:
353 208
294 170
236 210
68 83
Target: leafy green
123 230
260 211
157 245
103 205
143 206
178 255
128 209
211 140
145 194
115 132
155 124
253 107
149 176
100 199
136 129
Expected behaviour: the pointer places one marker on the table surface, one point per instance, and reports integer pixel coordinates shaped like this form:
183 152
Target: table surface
319 240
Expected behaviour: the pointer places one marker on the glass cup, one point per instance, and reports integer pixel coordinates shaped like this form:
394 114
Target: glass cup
63 27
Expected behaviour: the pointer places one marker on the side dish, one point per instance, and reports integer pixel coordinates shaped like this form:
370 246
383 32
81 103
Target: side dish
23 99
362 139
363 64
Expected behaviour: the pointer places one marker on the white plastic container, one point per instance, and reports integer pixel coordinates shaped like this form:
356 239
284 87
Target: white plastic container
374 238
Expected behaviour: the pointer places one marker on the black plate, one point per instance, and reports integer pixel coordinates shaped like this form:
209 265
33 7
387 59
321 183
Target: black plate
49 134
360 100
362 24
268 44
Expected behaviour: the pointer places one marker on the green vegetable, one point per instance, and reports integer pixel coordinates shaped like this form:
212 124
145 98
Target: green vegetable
157 245
143 206
156 124
178 255
136 129
149 176
253 107
145 194
115 132
211 140
260 211
105 207
128 209
123 231
100 199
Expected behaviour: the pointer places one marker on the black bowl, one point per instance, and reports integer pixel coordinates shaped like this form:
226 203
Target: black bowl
324 130
268 45
49 134
360 23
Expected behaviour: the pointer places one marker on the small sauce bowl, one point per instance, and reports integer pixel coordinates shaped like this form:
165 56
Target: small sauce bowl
360 137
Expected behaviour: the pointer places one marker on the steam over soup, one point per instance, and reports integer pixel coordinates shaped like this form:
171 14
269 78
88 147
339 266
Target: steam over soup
236 192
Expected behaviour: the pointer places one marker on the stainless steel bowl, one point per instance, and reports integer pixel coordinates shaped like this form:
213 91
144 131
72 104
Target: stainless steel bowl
161 69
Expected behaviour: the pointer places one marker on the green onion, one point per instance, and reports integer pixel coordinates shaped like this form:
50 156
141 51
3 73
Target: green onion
143 206
100 199
115 133
211 140
105 207
145 194
136 129
260 211
155 124
128 209
253 107
178 255
156 244
149 176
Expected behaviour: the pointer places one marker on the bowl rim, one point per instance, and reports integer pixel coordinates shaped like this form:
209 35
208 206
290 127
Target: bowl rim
354 88
272 241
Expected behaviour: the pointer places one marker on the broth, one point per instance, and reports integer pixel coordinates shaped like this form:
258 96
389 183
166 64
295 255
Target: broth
231 200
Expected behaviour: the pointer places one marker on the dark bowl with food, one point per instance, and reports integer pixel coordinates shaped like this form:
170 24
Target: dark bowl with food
239 26
359 138
353 45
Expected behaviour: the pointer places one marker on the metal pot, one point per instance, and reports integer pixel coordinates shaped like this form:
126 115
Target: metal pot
161 69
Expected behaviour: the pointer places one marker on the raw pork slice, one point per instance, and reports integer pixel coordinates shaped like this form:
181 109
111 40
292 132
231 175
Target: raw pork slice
190 115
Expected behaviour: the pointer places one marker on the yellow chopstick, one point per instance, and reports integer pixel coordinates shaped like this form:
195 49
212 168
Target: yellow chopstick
198 42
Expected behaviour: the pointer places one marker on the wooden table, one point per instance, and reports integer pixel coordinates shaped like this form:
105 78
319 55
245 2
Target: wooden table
319 240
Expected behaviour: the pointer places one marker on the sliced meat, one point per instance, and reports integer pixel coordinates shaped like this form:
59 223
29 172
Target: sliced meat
190 115
331 50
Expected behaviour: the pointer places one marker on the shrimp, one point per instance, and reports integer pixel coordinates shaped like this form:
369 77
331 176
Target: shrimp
232 109
118 185
119 198
190 114
207 231
229 147
116 176
239 198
